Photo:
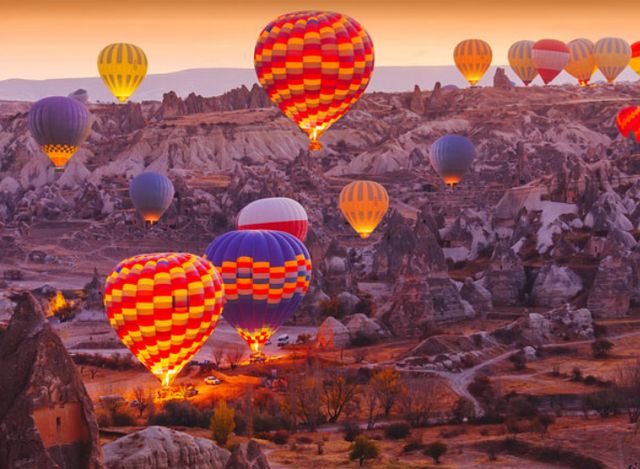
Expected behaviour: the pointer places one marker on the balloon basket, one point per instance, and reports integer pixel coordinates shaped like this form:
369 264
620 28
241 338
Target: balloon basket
257 357
314 145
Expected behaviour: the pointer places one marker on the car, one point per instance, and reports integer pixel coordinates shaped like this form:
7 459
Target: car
212 380
283 340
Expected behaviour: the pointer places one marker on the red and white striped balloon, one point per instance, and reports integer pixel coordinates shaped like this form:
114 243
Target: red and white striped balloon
550 56
275 213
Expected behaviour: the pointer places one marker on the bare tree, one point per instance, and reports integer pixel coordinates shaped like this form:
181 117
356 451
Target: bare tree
337 395
418 401
234 356
371 407
217 356
185 391
141 401
627 380
388 387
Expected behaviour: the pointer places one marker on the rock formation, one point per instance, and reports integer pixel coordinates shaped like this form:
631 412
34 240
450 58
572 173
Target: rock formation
416 102
501 80
610 294
555 285
248 455
46 416
163 448
505 277
332 334
478 296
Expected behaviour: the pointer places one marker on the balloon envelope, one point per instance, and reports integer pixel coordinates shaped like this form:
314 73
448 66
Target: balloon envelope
628 122
122 67
612 56
550 56
364 204
634 63
151 194
473 58
266 274
582 61
314 66
164 307
275 213
521 61
451 156
59 125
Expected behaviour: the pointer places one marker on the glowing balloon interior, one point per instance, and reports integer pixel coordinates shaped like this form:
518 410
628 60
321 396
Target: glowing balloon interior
364 204
122 67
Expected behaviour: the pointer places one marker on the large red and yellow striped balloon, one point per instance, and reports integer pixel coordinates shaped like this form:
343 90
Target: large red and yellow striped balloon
314 66
628 122
472 57
164 307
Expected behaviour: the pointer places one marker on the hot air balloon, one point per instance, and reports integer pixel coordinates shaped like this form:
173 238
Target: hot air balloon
451 157
266 274
582 61
122 67
634 63
550 57
612 56
314 66
472 57
363 204
164 307
151 194
628 122
521 61
59 125
275 213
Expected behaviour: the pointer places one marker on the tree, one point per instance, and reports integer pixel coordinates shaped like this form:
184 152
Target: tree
436 450
363 449
185 391
309 400
418 401
542 423
601 348
463 410
627 381
387 387
337 394
217 357
222 422
371 406
519 360
141 400
234 357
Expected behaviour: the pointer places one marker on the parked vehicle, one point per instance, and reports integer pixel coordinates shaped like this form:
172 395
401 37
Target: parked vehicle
283 340
212 380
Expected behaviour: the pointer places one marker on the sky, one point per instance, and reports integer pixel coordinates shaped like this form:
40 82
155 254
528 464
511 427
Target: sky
42 39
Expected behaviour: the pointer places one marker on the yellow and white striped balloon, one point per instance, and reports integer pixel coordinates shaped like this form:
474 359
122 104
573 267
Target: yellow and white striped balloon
473 58
363 204
582 61
521 61
612 56
122 67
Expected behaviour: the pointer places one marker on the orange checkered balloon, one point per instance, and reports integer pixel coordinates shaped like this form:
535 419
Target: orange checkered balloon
164 307
314 65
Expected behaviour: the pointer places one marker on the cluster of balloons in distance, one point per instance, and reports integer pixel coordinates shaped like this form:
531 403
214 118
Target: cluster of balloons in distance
548 57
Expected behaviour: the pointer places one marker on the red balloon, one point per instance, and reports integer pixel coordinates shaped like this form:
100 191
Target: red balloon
628 122
550 56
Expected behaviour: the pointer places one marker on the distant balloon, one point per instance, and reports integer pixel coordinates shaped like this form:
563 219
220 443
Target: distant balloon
122 67
550 58
628 122
59 125
635 57
473 58
449 87
582 61
451 157
364 204
275 213
314 66
612 56
266 274
151 194
164 307
521 61
80 95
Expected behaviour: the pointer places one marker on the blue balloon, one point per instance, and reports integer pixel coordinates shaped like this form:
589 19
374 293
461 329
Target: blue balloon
265 274
451 157
151 194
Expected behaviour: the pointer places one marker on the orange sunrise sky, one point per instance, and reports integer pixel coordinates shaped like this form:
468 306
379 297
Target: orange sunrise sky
61 38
